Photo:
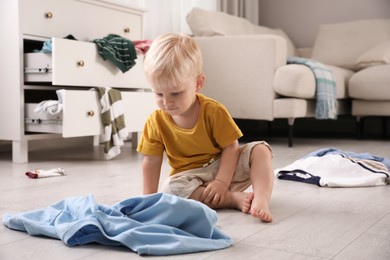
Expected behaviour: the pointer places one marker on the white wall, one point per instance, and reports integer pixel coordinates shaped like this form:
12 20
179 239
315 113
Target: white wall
300 18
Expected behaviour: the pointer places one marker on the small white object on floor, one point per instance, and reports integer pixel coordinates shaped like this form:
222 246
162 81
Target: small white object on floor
46 173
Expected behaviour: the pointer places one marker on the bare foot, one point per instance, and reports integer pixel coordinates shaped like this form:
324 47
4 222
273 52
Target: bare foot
242 201
260 209
247 203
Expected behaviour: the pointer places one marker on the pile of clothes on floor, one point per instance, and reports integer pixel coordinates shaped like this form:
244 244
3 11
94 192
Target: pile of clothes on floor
332 167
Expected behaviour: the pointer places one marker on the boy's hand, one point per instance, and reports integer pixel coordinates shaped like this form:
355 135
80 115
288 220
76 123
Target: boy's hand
214 193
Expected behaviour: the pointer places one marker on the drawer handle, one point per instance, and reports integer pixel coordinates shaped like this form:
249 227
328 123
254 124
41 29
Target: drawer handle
127 30
80 63
90 113
49 15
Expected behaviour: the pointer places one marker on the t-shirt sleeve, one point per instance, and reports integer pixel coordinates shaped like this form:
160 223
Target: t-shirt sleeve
225 130
150 143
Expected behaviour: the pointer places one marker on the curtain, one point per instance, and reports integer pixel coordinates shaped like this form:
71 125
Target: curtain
248 9
164 16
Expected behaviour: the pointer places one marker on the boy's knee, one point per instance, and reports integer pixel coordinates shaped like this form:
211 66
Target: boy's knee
261 150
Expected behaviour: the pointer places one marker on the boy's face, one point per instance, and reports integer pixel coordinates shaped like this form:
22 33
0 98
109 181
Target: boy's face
177 100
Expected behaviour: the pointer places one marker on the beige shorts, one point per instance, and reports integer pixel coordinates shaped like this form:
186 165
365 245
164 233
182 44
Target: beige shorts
183 184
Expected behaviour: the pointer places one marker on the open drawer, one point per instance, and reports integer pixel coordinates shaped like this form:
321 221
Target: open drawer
81 114
78 63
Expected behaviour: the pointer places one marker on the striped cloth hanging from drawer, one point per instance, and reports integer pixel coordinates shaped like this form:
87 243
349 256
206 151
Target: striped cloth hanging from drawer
114 128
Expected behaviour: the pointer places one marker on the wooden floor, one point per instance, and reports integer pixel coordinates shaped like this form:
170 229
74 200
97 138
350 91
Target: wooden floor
309 222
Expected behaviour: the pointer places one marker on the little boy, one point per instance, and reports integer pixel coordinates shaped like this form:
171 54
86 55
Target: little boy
199 137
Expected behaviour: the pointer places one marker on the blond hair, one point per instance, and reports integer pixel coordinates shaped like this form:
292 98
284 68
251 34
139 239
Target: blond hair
172 59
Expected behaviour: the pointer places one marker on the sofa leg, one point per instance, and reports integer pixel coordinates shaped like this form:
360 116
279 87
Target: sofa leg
290 131
384 127
359 127
269 128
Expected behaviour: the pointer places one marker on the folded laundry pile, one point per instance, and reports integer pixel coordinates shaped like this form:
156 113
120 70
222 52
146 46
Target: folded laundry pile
157 224
332 167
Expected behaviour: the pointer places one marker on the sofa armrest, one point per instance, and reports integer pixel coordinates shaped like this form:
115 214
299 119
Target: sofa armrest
240 72
295 81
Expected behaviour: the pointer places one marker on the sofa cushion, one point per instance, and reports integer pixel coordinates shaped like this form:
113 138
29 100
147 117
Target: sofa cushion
210 23
296 80
341 44
372 83
377 55
342 76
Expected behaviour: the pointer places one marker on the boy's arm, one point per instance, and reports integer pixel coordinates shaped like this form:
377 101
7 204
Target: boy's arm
228 163
151 168
216 190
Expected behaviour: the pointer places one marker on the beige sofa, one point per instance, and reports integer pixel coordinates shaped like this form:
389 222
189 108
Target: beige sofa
246 67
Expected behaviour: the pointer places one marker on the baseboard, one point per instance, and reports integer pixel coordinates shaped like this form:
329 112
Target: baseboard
5 146
33 145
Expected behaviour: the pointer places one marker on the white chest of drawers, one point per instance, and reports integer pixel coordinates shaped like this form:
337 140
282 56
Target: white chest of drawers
26 24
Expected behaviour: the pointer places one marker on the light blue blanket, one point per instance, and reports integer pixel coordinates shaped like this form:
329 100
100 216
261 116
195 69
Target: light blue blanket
157 224
326 100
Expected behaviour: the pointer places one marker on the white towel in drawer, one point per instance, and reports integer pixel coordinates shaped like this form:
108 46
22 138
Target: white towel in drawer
78 63
43 122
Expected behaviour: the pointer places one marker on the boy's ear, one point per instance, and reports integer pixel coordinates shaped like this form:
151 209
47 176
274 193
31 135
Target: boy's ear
200 82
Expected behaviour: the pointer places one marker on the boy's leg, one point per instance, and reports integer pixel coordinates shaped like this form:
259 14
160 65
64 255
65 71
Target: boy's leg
191 184
234 199
255 161
262 178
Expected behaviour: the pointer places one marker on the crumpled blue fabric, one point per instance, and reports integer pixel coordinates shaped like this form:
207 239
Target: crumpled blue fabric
157 224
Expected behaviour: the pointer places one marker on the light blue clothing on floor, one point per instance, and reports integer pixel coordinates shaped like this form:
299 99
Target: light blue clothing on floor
366 156
157 224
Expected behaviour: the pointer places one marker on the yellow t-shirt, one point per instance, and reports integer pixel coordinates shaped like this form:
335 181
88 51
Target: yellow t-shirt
190 148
